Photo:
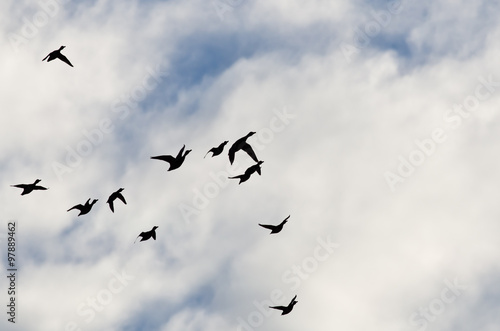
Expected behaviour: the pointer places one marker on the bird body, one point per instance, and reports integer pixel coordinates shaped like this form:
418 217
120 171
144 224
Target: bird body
217 150
84 209
246 175
241 144
286 309
57 55
113 197
175 162
275 228
28 188
148 234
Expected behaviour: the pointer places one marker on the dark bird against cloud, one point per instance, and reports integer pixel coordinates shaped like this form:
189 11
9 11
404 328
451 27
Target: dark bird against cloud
241 144
244 177
84 209
217 150
275 228
175 162
57 55
113 197
28 188
287 309
148 234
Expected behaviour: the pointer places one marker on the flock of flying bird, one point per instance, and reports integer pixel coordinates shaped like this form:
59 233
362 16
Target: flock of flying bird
174 163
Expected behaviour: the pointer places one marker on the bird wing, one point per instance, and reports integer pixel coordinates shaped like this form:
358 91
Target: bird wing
39 188
19 186
140 235
295 297
75 207
278 307
181 151
46 57
258 169
248 149
286 219
267 226
110 203
231 155
64 59
121 197
166 158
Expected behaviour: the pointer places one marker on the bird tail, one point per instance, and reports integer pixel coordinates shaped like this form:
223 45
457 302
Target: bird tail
136 238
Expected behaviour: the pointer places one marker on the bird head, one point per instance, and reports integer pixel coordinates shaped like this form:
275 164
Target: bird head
37 181
95 200
224 143
62 47
251 133
155 227
187 152
121 189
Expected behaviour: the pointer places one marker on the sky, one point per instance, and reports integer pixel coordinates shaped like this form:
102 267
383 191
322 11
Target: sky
377 122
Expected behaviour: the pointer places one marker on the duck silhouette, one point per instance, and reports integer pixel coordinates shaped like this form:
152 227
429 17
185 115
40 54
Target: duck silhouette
57 55
148 234
287 309
113 197
241 144
28 188
244 177
84 209
175 162
217 150
275 228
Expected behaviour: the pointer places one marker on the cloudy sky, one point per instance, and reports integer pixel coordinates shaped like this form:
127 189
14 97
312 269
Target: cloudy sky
379 130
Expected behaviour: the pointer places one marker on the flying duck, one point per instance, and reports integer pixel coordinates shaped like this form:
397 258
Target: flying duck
241 144
217 150
113 197
287 309
57 55
148 234
275 228
28 188
175 162
84 209
244 177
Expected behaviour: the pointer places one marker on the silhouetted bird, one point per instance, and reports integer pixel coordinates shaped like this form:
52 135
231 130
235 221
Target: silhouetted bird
28 188
175 162
113 197
275 228
287 309
241 144
147 235
249 172
84 209
217 150
57 55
